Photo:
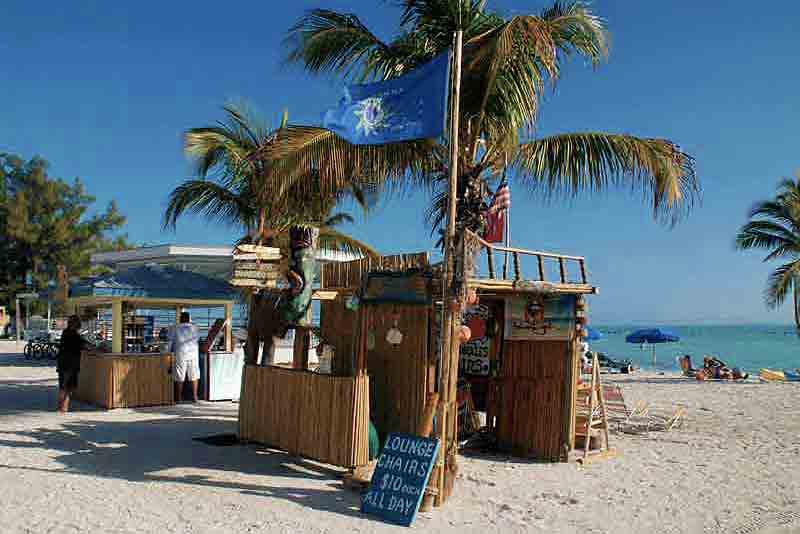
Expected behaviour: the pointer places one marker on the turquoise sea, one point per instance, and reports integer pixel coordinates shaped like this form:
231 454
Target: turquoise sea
749 347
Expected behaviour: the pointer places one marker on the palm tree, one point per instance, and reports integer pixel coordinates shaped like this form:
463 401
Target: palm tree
507 64
775 226
248 191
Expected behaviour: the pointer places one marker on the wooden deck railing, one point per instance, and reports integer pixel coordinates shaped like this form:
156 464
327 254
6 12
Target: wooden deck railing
515 253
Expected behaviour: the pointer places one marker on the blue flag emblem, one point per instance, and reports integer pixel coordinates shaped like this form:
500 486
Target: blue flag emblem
412 106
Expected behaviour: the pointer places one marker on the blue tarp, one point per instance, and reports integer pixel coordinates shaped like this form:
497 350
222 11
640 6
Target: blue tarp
155 281
652 335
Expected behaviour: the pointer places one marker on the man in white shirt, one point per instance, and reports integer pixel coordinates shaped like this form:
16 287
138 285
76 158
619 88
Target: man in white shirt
185 347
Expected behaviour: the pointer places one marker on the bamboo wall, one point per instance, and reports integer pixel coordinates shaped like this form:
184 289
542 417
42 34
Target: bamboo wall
338 327
322 417
348 275
532 398
125 381
400 376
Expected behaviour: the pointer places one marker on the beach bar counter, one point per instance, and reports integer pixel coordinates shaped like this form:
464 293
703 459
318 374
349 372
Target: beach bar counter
132 368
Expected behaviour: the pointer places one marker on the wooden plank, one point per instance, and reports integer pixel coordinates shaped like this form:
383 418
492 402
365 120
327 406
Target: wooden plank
247 265
249 282
255 274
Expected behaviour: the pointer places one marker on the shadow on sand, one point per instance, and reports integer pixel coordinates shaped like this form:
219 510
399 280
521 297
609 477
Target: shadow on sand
151 450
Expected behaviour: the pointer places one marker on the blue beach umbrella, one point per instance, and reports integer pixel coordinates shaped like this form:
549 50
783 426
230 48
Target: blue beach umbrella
652 336
593 335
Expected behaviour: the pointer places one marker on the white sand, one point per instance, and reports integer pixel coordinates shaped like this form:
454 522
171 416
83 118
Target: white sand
732 468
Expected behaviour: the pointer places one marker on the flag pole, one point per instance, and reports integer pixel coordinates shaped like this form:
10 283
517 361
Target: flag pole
449 299
508 223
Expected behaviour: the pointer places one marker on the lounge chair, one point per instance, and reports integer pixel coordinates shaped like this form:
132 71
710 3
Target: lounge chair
617 410
655 422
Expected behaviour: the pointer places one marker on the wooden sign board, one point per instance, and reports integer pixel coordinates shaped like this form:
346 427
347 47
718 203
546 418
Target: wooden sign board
250 282
529 317
400 288
400 478
255 266
256 274
256 252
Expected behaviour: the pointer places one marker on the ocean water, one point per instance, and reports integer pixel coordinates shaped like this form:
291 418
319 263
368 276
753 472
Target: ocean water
749 347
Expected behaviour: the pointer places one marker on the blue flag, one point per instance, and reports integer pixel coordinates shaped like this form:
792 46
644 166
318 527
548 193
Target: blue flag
413 106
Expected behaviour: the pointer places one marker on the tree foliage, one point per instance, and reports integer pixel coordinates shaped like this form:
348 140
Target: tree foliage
774 227
508 64
46 222
248 178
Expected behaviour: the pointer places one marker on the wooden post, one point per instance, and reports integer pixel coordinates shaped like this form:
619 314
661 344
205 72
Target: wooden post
117 321
517 271
450 307
229 327
178 311
562 270
302 343
541 267
490 261
583 271
570 391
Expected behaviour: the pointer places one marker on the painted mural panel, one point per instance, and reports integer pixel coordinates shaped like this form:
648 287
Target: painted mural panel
540 317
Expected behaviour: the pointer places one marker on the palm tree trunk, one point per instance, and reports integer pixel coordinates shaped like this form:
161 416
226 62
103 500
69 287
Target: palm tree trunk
796 306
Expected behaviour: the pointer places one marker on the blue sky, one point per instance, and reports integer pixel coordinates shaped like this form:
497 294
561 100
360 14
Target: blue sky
104 91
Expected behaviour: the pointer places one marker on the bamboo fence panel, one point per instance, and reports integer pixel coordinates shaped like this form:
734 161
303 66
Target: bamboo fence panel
318 416
125 381
348 275
531 405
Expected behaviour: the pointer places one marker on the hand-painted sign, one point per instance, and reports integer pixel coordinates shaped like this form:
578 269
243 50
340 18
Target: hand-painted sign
540 317
400 478
475 352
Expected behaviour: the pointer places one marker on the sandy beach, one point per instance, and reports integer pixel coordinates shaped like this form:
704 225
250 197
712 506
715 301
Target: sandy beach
730 468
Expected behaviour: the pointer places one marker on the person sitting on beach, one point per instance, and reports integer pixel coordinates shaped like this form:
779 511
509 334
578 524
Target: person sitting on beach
69 361
685 363
716 368
185 346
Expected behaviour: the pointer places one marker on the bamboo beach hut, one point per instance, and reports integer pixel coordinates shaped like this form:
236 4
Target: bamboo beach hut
381 320
132 370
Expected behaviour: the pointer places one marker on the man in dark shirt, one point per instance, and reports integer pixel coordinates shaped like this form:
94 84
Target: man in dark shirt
69 361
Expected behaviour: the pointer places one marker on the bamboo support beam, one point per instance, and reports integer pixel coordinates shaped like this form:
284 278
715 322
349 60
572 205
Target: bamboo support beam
116 326
229 327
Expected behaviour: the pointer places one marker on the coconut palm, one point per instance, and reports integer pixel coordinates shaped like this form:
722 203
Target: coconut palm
507 64
241 184
775 226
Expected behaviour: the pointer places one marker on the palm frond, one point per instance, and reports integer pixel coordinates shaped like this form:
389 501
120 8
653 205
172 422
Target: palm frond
575 163
332 239
780 283
763 234
337 219
327 41
209 199
306 150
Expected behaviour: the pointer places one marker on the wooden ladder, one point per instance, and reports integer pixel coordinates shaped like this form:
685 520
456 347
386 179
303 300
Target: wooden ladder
594 423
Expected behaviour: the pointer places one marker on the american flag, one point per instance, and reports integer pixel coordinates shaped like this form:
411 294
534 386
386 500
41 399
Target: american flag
495 220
